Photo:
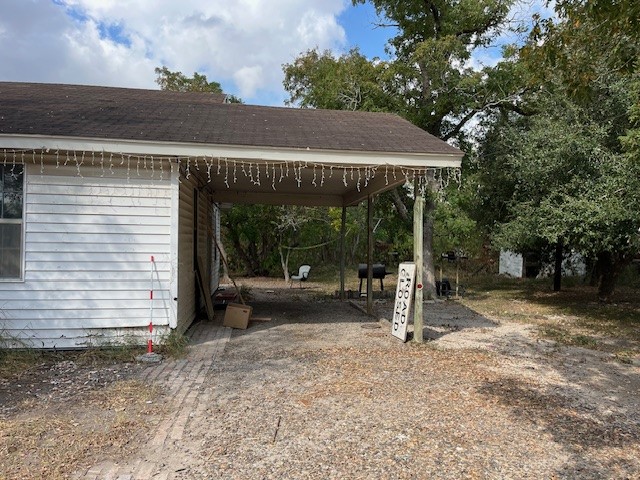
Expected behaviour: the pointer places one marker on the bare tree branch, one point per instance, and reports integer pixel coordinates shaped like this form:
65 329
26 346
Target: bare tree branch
386 25
505 104
460 125
478 30
400 206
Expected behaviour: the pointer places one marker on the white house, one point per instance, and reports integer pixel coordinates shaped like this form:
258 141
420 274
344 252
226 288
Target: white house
514 265
96 181
76 265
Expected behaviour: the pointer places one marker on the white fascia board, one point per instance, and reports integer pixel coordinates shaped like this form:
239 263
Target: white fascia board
240 152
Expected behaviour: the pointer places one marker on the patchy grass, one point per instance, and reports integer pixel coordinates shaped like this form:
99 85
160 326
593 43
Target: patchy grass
245 291
174 345
52 440
71 409
565 337
572 316
12 362
625 356
15 360
109 354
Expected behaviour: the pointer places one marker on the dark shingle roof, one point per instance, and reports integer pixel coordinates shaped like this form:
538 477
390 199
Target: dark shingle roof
201 118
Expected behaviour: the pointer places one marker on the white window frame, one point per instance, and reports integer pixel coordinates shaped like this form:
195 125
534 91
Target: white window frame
22 221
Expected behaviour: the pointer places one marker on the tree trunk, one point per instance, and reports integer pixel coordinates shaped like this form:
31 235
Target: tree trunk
429 271
428 265
557 272
355 248
594 272
610 266
226 278
284 261
254 258
401 208
244 256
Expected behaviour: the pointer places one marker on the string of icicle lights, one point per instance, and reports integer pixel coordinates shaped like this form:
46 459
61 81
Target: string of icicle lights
206 167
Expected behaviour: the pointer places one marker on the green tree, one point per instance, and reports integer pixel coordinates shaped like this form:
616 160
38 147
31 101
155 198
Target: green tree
631 139
436 39
428 79
585 30
347 82
252 247
560 177
178 82
570 173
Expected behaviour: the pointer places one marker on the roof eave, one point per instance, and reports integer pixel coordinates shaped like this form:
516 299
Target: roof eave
242 152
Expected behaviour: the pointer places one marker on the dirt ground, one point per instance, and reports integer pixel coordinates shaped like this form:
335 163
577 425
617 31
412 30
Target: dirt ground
322 391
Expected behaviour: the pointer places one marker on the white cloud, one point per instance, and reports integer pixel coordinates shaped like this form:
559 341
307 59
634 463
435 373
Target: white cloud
248 80
241 44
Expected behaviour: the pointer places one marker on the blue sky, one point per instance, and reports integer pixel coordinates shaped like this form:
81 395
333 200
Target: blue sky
360 24
241 44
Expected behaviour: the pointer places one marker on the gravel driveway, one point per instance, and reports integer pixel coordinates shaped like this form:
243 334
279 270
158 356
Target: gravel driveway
323 392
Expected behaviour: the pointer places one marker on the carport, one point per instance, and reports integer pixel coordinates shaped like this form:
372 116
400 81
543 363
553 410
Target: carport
314 157
236 153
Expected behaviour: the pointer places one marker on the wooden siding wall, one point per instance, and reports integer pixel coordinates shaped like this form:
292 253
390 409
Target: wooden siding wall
187 286
215 255
88 245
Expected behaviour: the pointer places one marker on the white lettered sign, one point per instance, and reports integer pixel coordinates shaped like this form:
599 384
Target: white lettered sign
403 299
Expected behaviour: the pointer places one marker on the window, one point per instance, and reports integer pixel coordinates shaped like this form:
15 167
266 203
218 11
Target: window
11 214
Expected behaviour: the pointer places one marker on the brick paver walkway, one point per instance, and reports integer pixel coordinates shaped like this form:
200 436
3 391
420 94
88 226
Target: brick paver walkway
183 381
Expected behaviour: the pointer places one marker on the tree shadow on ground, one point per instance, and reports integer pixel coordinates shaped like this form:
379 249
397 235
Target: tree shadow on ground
444 318
585 433
579 302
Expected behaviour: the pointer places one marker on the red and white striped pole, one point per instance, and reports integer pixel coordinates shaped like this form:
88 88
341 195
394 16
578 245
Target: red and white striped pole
150 341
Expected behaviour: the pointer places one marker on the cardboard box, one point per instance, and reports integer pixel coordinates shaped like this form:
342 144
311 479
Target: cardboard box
237 316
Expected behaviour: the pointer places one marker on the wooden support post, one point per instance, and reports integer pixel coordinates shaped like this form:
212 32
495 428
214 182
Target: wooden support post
418 214
343 230
370 255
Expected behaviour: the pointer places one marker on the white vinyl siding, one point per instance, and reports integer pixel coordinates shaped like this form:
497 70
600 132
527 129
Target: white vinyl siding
88 246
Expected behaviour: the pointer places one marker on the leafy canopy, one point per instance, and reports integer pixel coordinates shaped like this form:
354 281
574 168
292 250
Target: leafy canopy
440 91
569 173
348 82
178 82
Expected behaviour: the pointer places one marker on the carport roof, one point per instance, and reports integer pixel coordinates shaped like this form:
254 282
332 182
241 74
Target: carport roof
154 122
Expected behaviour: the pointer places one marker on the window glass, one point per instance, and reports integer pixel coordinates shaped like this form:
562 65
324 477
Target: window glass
12 205
11 213
10 245
13 178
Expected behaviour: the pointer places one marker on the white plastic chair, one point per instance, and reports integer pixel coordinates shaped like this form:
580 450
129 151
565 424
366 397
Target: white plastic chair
303 274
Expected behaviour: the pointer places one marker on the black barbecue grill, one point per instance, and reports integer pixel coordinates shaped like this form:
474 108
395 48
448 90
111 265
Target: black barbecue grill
379 272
